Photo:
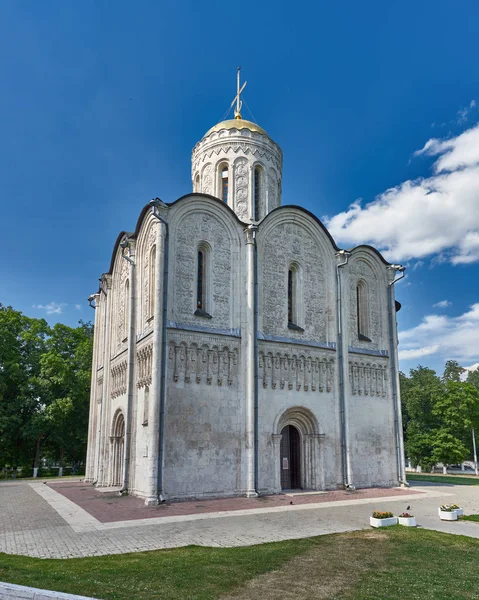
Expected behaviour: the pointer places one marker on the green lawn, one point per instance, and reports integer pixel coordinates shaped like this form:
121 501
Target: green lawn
391 563
452 479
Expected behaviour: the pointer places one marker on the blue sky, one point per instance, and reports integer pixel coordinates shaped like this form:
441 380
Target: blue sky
101 104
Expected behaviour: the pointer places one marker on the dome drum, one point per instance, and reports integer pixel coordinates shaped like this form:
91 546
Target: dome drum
239 163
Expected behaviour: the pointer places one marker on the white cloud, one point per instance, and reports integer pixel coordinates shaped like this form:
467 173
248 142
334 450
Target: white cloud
78 306
418 265
442 304
448 337
51 308
463 113
435 216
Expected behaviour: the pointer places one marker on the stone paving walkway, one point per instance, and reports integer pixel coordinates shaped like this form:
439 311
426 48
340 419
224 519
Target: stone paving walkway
109 506
35 520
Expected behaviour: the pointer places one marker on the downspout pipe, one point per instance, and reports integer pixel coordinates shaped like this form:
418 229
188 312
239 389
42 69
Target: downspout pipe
346 461
393 343
156 204
128 244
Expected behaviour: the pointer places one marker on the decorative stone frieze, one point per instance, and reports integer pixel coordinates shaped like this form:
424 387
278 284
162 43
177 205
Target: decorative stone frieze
368 379
199 360
144 362
301 371
118 379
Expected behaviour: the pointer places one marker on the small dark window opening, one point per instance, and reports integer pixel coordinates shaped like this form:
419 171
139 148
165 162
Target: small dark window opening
200 286
292 300
362 313
224 185
290 297
257 192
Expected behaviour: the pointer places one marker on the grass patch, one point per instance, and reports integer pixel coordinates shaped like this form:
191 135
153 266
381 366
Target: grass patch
191 572
452 479
393 563
469 518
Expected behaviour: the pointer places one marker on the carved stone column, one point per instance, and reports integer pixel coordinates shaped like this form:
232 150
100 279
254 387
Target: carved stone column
277 437
250 335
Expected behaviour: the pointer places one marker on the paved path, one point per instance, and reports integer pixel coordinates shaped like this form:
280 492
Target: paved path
35 520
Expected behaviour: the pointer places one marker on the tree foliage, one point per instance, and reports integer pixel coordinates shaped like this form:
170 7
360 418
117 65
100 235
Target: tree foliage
44 388
440 414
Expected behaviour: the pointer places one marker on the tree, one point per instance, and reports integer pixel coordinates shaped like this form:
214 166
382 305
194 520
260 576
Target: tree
440 414
65 377
473 378
44 388
447 449
458 409
22 343
452 371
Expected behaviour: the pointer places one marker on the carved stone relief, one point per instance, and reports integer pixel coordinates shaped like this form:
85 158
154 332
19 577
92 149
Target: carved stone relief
208 180
368 379
241 188
299 371
360 270
202 363
118 379
193 229
121 303
272 155
272 190
147 274
144 358
285 243
99 388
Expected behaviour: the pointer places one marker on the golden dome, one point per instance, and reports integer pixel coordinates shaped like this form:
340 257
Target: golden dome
236 124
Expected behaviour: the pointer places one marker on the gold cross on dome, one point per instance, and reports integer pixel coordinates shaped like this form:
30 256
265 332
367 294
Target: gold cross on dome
237 98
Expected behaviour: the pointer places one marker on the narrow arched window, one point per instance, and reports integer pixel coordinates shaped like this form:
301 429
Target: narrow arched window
290 297
295 316
152 283
362 311
197 183
224 184
200 283
146 405
257 192
203 281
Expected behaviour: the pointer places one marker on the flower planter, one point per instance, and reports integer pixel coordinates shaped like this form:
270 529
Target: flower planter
383 522
447 515
407 521
459 511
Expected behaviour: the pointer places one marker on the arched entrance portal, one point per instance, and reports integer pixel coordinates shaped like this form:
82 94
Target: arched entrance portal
290 458
298 450
117 445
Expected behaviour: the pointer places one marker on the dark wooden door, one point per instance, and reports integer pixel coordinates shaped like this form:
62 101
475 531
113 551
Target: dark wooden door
290 458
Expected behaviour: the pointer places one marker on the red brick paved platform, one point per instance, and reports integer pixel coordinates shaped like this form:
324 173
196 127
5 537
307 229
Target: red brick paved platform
110 507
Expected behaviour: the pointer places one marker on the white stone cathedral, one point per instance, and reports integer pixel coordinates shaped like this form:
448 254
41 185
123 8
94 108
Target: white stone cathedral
238 350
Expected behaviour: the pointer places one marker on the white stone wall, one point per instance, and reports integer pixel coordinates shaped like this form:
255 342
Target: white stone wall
291 237
204 416
368 373
298 371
